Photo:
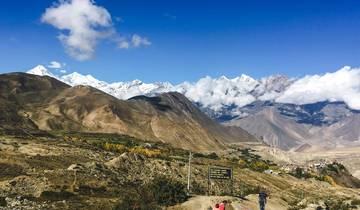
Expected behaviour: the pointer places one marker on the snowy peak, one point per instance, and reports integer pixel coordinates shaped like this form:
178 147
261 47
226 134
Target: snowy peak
41 70
218 94
75 78
121 90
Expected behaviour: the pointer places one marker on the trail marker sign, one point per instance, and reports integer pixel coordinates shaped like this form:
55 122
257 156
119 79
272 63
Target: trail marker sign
220 173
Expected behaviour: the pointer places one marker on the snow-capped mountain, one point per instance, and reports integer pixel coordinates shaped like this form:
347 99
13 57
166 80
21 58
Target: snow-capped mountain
285 112
41 71
211 93
121 90
218 94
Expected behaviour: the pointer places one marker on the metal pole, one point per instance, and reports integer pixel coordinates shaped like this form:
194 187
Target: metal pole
189 173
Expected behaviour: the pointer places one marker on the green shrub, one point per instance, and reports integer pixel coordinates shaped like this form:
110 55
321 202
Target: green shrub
56 196
300 173
197 188
355 202
338 204
213 156
3 202
259 166
168 191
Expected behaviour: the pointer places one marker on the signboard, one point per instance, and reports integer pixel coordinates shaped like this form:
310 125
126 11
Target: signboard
220 173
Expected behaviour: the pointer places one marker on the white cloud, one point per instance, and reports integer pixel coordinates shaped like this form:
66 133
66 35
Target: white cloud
123 44
216 93
63 71
83 24
54 65
138 41
342 85
135 41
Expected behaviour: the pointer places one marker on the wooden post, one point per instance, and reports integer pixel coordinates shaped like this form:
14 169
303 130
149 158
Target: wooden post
189 173
208 191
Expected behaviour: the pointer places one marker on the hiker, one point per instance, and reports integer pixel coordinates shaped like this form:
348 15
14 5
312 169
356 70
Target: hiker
327 206
222 205
216 207
262 199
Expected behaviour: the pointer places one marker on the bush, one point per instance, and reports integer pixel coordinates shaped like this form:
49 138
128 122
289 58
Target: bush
338 204
213 156
114 147
336 167
197 188
301 173
139 198
355 202
168 191
259 166
146 152
56 196
3 202
329 180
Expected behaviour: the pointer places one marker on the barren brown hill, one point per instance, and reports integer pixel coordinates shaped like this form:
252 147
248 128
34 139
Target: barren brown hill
35 102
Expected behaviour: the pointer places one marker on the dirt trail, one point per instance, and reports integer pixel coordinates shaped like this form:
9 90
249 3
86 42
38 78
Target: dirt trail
204 202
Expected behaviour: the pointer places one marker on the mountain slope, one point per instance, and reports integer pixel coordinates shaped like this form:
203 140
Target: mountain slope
289 126
169 117
273 129
315 110
20 94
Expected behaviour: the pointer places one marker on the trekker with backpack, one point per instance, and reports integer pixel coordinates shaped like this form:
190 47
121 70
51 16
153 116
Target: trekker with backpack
262 199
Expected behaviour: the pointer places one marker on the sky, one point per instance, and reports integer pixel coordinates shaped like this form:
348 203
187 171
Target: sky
180 40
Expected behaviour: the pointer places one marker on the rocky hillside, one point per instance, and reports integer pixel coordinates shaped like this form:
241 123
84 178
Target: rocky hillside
108 171
42 102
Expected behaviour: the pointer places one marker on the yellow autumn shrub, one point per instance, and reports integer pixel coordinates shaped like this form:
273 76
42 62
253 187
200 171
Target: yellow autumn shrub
146 152
329 180
242 163
114 147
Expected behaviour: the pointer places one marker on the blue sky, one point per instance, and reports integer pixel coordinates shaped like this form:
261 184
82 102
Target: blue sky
191 39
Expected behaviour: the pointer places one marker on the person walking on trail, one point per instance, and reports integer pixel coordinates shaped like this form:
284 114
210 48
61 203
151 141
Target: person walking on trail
222 205
262 199
216 207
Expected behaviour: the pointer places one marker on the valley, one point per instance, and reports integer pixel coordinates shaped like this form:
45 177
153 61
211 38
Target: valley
101 171
179 105
77 147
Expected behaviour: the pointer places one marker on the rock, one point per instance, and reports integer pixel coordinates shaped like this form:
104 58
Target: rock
115 162
75 167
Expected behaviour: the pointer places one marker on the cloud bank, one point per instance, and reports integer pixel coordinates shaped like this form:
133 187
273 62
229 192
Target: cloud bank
342 85
220 92
83 24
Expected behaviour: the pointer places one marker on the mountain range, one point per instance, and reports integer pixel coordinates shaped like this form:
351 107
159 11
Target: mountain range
289 113
41 103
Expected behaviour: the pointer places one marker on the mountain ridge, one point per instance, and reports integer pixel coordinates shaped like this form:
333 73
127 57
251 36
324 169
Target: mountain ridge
329 102
52 105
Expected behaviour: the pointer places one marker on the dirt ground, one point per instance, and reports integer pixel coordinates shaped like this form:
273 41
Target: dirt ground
250 203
